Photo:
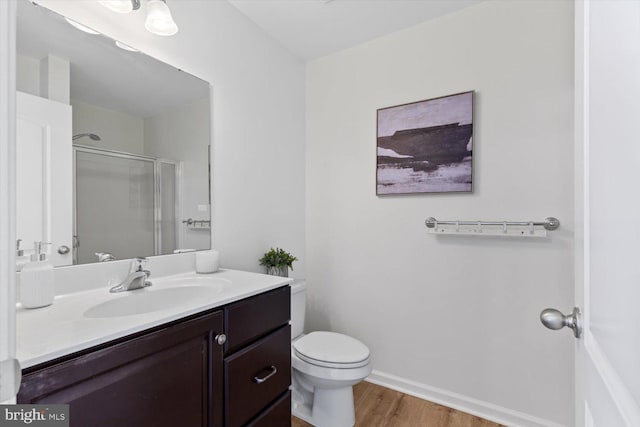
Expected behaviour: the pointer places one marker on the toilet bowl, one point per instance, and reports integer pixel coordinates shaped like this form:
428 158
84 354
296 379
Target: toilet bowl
325 367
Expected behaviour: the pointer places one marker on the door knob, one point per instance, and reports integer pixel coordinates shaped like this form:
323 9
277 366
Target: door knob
63 250
554 319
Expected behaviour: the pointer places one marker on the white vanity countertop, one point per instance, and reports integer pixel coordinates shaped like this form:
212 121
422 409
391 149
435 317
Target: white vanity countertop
60 329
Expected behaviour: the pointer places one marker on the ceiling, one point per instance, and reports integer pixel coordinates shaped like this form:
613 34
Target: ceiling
315 28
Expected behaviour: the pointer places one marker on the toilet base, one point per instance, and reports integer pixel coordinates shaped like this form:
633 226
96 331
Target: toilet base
329 408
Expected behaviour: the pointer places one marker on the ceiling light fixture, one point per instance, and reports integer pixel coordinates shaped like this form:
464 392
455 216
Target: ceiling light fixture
126 47
121 6
159 20
80 26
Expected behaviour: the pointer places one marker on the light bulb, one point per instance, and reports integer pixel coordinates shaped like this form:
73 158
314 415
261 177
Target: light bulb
126 46
80 26
120 6
159 20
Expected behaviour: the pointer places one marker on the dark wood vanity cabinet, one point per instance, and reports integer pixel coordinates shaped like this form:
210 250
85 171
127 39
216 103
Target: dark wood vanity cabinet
169 377
257 363
178 374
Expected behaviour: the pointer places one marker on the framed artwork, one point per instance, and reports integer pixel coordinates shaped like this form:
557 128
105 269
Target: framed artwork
426 146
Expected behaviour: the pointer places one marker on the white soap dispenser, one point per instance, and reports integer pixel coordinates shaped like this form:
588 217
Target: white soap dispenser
36 280
21 258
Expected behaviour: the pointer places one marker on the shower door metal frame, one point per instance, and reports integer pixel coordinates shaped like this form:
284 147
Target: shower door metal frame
157 195
158 202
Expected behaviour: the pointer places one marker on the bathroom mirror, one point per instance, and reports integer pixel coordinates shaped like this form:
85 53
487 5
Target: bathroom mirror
112 146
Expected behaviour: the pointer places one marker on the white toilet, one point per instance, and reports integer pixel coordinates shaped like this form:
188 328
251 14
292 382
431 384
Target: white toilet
325 366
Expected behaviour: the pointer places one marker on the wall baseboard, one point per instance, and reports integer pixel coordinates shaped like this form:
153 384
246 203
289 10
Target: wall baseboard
459 402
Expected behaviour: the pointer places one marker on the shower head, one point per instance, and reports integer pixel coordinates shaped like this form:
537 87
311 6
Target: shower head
93 136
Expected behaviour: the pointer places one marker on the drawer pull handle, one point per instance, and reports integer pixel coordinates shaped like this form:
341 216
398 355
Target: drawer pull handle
259 380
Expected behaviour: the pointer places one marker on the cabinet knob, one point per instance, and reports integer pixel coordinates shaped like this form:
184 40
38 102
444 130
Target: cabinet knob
221 339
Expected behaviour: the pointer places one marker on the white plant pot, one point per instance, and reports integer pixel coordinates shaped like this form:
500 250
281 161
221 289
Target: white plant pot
278 271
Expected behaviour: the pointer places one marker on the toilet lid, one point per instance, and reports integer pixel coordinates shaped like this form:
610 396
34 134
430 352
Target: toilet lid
332 349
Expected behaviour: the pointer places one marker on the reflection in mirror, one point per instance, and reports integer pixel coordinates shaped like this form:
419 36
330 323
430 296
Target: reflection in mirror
112 147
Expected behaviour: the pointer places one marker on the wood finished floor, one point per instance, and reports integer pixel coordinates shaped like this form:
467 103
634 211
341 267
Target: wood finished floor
378 406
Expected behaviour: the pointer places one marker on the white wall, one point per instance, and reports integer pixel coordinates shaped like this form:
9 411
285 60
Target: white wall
451 317
117 130
258 119
184 135
28 75
47 77
55 79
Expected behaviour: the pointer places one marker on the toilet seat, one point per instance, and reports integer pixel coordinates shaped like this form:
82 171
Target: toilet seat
331 350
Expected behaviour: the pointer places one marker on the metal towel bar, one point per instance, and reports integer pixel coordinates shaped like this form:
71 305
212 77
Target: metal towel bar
494 228
197 223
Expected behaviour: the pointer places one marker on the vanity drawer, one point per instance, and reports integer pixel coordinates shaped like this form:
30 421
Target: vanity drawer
256 376
248 320
278 414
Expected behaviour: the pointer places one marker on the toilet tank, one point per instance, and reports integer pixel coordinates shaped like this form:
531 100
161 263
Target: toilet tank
298 307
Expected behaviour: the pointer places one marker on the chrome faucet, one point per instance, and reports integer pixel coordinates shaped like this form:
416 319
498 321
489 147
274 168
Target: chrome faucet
105 256
136 279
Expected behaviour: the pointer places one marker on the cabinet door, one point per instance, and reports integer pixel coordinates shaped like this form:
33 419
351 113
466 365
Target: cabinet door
171 377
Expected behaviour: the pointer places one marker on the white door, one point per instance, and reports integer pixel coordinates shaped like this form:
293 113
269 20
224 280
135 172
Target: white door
9 368
44 176
608 208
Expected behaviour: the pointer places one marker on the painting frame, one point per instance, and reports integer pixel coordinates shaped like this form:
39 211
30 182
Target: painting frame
426 146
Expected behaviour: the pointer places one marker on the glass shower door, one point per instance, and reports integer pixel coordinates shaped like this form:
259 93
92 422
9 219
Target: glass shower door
168 205
114 201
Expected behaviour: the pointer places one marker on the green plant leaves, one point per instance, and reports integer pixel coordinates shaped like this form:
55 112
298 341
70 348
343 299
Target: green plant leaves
278 258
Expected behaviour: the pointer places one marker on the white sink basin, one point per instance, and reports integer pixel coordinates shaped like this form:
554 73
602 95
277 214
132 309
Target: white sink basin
149 300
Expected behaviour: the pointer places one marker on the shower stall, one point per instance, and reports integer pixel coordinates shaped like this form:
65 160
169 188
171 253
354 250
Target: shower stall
125 204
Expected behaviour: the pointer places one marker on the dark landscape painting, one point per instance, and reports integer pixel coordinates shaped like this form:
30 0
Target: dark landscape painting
426 146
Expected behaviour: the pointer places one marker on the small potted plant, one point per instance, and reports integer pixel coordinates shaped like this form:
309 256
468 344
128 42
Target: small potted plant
278 262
